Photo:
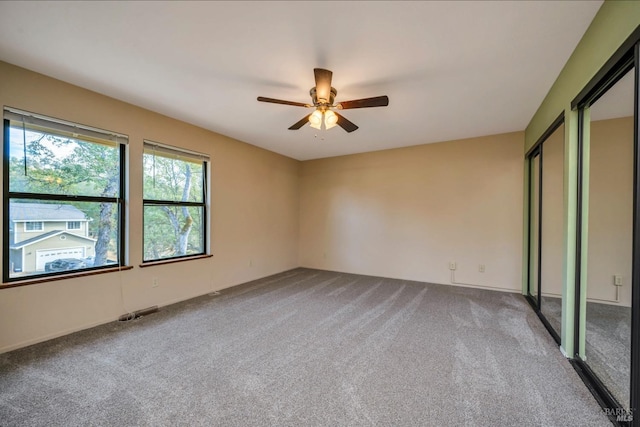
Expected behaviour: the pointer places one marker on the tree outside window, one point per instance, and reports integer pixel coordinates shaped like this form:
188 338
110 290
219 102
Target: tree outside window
174 203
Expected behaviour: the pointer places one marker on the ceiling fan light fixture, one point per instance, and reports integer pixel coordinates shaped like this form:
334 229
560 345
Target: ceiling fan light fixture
315 119
330 119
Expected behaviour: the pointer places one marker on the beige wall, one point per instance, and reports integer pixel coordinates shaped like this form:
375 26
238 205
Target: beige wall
254 217
406 213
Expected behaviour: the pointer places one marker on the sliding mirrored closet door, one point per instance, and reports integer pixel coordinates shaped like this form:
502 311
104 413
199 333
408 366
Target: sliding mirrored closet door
607 237
551 228
534 226
546 247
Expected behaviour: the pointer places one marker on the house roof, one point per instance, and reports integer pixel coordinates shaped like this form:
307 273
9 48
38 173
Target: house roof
46 236
45 212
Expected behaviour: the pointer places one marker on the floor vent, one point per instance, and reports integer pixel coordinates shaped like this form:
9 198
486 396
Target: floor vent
136 314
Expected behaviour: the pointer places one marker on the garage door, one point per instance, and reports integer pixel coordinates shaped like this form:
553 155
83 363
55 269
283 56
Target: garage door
47 255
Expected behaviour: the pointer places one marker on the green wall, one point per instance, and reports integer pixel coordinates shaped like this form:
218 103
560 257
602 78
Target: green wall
613 23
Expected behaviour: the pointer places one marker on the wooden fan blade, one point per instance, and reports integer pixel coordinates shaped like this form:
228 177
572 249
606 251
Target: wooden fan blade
346 124
323 83
301 123
376 101
280 101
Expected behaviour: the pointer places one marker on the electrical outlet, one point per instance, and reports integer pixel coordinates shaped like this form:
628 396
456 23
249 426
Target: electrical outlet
481 268
452 265
617 280
154 282
250 263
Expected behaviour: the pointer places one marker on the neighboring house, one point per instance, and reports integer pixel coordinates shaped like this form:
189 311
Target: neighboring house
41 233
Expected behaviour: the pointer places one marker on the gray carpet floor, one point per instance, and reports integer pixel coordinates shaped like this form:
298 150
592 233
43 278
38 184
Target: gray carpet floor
608 343
551 308
608 347
306 348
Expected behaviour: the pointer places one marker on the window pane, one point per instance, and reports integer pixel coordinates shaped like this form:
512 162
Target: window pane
74 225
172 179
45 162
54 249
33 226
172 231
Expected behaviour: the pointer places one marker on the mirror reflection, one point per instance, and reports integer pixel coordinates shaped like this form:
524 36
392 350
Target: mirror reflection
551 225
609 164
534 226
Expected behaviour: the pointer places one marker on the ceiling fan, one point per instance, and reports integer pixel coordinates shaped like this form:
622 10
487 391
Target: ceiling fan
323 97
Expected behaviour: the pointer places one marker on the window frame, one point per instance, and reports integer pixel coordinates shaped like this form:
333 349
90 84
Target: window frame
147 202
121 142
33 230
79 227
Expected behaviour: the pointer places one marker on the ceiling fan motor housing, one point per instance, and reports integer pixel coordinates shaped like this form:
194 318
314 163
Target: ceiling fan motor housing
323 102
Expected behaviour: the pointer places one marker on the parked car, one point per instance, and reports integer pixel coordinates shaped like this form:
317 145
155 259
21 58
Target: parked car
65 264
90 262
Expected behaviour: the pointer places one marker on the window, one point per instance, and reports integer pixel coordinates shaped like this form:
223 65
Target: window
57 176
73 225
175 208
33 226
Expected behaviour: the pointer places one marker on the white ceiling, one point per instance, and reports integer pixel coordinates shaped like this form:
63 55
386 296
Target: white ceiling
451 69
